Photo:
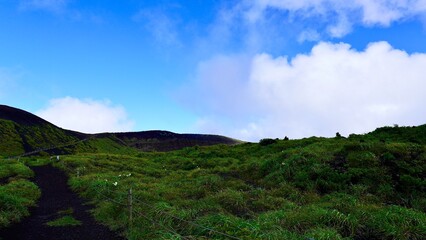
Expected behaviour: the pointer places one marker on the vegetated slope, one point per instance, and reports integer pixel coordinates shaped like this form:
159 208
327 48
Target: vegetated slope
168 141
363 187
399 134
21 131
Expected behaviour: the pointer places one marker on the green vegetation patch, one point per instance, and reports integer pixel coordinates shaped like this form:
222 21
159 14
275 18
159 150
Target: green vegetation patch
68 211
10 140
9 169
314 188
363 187
104 145
17 193
64 221
15 199
36 161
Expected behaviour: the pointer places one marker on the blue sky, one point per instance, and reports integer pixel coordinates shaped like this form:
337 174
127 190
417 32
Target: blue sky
241 68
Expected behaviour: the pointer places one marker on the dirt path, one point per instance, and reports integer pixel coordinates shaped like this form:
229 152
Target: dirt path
56 196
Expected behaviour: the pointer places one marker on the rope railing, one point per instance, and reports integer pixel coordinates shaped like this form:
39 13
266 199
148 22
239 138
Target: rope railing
38 150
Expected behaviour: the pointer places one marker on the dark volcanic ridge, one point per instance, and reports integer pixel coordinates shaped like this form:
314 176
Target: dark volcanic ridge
20 116
155 140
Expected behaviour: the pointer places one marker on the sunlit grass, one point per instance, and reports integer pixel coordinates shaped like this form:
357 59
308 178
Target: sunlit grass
314 188
284 190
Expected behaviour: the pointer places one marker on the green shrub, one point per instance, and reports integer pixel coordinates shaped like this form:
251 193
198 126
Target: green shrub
267 141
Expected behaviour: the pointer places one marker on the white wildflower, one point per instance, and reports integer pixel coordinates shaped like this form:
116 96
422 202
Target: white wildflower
115 183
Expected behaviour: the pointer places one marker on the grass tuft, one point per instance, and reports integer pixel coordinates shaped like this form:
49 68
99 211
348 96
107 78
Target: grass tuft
64 221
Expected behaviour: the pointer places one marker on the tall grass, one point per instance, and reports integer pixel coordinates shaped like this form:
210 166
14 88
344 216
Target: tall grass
17 193
312 188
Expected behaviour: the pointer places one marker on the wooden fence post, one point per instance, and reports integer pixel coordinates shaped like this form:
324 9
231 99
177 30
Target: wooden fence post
130 205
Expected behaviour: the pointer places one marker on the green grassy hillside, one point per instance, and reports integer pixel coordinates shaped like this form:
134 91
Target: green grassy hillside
314 188
16 139
370 186
400 134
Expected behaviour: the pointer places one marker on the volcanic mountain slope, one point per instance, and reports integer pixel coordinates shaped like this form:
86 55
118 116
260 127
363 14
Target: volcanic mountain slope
21 131
168 141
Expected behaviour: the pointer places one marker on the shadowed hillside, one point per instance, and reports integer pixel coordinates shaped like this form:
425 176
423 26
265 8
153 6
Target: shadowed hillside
21 131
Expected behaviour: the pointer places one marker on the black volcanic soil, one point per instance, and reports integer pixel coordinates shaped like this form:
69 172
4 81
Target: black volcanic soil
56 196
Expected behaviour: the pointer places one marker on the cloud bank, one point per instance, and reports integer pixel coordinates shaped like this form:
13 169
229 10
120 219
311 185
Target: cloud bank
332 89
88 116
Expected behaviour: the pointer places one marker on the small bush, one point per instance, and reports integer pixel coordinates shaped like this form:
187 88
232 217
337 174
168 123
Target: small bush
267 141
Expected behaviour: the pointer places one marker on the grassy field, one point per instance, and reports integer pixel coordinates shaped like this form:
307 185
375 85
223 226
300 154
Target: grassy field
363 187
313 188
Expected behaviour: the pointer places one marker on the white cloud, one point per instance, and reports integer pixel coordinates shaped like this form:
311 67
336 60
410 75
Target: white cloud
309 35
339 16
253 26
55 6
162 26
332 89
88 116
212 76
